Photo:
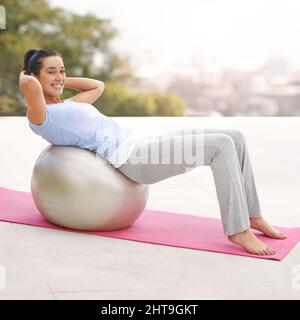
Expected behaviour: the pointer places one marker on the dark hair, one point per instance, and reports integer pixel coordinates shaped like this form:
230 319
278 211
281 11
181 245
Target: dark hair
33 59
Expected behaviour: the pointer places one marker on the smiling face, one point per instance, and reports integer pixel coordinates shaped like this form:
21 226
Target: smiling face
52 77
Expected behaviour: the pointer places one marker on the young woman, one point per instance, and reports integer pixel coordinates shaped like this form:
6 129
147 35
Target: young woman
76 122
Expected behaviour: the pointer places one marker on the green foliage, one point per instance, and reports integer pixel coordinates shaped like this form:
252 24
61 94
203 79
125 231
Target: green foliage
117 100
168 104
7 106
79 38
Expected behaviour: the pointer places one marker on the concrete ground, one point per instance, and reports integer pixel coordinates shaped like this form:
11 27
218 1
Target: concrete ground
40 263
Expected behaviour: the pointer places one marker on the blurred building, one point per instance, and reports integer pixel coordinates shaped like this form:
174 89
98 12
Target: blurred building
272 90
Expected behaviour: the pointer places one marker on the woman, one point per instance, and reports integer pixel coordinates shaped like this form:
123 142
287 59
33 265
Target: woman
77 123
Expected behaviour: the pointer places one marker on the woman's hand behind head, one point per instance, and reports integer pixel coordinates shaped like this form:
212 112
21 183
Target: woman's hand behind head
24 79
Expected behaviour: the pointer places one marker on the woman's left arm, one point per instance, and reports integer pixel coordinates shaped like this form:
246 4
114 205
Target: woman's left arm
90 89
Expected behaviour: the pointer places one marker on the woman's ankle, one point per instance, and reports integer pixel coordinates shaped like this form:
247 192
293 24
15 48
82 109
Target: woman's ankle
240 233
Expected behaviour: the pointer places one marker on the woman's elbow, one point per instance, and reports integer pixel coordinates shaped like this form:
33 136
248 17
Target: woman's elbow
101 87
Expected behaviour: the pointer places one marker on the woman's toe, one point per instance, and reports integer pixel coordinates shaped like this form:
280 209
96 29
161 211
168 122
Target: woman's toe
261 252
281 235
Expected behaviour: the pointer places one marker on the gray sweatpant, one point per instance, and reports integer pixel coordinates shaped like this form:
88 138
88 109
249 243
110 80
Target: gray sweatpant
225 151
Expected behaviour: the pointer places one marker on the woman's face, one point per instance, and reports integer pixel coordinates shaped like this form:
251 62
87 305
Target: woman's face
52 76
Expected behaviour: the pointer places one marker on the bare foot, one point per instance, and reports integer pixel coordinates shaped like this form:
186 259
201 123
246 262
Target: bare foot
262 225
251 243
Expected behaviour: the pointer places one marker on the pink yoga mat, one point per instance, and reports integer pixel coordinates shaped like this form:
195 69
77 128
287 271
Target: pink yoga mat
153 226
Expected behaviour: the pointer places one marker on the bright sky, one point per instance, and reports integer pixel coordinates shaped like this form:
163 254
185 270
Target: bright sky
164 34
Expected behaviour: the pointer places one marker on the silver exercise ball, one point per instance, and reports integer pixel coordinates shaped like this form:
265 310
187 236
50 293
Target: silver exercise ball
77 189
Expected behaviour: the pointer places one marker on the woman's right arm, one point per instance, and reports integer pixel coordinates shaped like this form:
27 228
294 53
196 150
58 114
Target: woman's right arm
34 97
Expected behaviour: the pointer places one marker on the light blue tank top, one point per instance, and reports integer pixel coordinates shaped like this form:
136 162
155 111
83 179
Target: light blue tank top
81 125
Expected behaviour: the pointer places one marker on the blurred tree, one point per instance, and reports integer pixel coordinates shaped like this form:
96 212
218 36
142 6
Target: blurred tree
79 38
7 106
168 104
117 100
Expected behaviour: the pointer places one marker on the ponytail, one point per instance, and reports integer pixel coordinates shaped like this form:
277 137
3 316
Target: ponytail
30 53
